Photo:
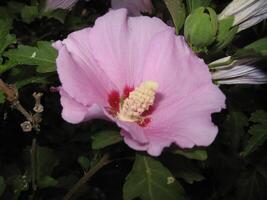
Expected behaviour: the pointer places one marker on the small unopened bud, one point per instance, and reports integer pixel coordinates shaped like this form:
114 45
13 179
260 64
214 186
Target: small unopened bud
200 28
38 106
26 126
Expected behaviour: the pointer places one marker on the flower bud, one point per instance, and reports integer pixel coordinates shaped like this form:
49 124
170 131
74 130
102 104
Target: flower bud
201 28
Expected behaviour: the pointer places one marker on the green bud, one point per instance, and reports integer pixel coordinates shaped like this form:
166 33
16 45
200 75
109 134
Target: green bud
201 28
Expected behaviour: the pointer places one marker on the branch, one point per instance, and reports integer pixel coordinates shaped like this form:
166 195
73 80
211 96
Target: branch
11 94
33 163
13 98
86 177
32 120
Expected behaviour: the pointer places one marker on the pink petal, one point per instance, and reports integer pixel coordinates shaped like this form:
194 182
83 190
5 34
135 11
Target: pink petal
74 112
110 32
135 131
187 96
133 143
131 130
124 45
84 82
140 43
157 144
135 7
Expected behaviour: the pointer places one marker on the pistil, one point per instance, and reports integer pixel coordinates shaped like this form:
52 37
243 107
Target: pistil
140 100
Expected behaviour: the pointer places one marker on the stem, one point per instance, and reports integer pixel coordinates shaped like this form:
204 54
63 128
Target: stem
33 163
10 93
23 111
12 97
86 177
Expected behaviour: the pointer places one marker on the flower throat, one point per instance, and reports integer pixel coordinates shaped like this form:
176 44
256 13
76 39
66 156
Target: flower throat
135 104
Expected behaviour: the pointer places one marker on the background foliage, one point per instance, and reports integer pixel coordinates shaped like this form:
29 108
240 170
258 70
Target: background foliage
233 167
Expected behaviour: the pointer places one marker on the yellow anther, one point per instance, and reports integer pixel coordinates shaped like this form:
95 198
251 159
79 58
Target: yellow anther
138 102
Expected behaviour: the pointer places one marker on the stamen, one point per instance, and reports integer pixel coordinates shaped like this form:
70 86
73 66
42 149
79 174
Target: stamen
139 101
126 91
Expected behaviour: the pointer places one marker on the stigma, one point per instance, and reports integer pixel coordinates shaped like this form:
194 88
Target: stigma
139 101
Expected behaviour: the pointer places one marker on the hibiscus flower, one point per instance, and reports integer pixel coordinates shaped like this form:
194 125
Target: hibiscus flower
136 72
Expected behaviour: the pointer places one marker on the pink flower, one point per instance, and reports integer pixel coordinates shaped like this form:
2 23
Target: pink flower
139 74
135 7
63 4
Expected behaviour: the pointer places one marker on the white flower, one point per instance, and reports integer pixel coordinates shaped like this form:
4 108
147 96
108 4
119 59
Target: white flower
135 7
63 4
247 13
237 71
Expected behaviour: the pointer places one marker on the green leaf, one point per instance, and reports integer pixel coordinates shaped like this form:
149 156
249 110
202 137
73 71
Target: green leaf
5 26
259 46
257 49
32 80
258 132
259 116
7 66
5 38
44 56
194 4
184 168
251 185
47 181
105 138
234 129
84 162
23 55
2 97
192 154
177 11
2 185
9 39
29 13
46 161
150 180
246 53
58 14
15 7
226 33
187 170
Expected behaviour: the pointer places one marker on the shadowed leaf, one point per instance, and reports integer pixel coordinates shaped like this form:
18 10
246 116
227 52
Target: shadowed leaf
258 132
150 180
105 138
